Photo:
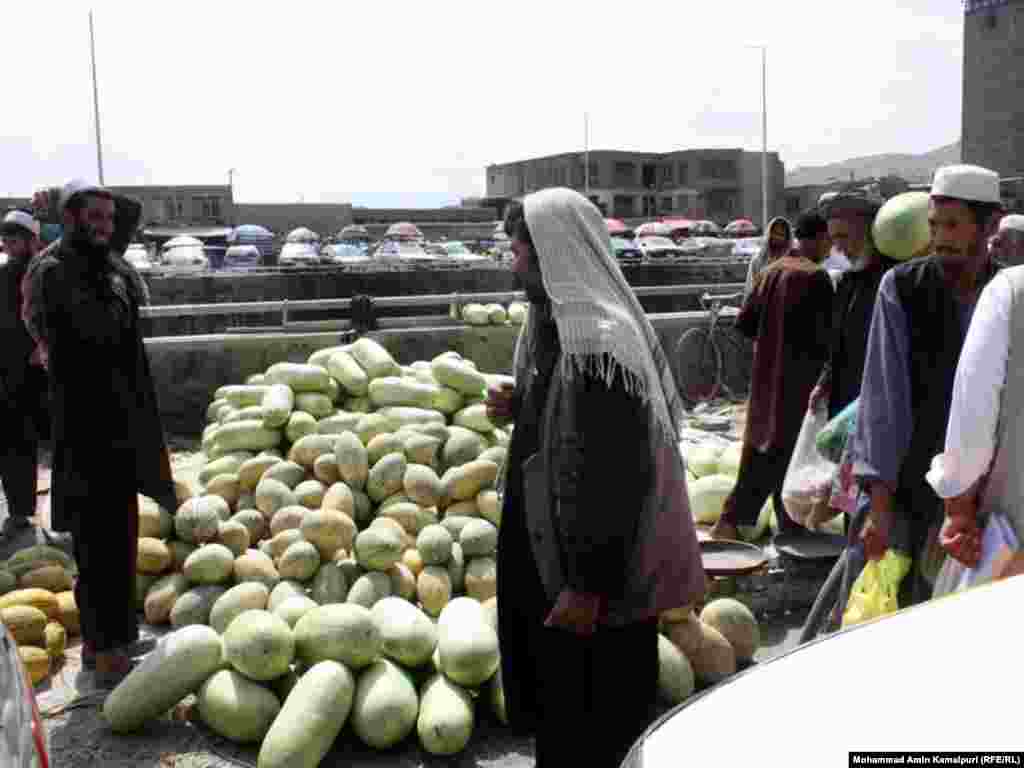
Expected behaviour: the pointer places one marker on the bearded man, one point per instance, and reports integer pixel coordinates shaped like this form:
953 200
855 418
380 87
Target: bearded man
82 306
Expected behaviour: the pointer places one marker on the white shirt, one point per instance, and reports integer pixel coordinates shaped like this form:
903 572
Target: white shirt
980 377
836 261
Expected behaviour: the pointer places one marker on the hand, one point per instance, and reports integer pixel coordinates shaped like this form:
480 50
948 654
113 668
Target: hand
41 201
575 611
961 539
1007 565
875 534
817 395
500 402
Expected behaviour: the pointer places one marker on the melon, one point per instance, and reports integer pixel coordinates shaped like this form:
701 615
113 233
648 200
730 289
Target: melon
294 608
272 495
456 566
154 521
702 460
736 623
310 719
67 613
422 485
434 589
352 459
153 556
210 564
345 633
482 578
385 707
374 358
337 423
489 506
329 585
256 566
478 538
386 476
310 493
259 645
55 638
36 662
283 591
235 536
707 650
195 605
287 518
178 666
198 519
162 596
467 644
349 373
467 480
421 449
328 530
675 675
445 722
25 623
901 230
236 708
180 550
288 472
225 486
496 691
236 601
408 636
143 583
708 495
369 588
729 460
341 498
378 548
299 562
462 446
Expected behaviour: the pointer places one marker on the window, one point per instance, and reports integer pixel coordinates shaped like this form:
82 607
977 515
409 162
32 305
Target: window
623 206
666 174
718 168
666 203
577 175
625 174
595 177
682 203
179 205
683 173
722 200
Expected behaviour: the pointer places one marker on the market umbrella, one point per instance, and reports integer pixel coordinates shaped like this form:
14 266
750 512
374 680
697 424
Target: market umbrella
404 230
705 227
354 232
677 225
654 228
183 241
302 235
249 233
741 227
616 227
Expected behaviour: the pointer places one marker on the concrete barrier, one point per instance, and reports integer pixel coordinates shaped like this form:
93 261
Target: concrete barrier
187 370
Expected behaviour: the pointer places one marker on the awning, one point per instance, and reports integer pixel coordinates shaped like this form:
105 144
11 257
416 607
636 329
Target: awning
160 233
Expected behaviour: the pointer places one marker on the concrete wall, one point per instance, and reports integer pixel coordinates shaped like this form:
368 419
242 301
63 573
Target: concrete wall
330 283
187 371
993 103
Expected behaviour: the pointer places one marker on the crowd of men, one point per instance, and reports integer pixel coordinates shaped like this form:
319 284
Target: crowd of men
890 336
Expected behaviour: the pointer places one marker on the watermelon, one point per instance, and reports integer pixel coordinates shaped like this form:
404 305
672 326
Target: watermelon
901 229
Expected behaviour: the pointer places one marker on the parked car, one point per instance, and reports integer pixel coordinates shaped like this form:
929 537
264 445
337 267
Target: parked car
888 684
402 250
299 254
454 249
242 257
658 247
23 741
626 249
138 256
345 253
184 253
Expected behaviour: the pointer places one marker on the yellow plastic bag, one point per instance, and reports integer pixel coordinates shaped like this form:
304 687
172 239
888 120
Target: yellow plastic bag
874 592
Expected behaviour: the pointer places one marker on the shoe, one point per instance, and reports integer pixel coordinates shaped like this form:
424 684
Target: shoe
112 667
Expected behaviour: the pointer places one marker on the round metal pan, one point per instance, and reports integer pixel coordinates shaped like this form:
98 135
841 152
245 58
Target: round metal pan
731 558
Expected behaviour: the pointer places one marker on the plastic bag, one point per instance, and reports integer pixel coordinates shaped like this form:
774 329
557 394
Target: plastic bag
997 538
808 480
831 440
874 593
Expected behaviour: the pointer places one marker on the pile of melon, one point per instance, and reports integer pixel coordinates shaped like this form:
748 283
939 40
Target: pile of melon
494 314
704 649
337 555
38 607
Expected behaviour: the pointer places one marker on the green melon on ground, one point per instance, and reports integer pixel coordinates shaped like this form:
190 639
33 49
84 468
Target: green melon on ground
237 708
386 705
259 645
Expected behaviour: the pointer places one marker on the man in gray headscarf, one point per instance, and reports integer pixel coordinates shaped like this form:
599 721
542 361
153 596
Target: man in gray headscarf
597 537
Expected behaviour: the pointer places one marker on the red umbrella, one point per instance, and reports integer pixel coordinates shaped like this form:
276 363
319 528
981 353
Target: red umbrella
403 230
654 228
741 226
677 224
616 227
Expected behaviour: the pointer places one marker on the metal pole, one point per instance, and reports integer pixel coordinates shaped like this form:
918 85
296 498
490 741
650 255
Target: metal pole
231 194
764 137
96 100
586 154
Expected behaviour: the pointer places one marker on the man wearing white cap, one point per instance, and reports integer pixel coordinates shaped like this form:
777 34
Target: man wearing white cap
920 319
1008 243
22 385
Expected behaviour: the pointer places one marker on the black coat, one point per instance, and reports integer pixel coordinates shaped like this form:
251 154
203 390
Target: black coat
106 422
18 400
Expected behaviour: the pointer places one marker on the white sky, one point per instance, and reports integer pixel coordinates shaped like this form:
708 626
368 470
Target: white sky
404 103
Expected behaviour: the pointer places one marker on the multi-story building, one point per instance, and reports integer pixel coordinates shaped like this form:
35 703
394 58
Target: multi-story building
993 83
717 184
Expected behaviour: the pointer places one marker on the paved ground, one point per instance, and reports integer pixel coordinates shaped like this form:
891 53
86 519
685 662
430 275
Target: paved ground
70 702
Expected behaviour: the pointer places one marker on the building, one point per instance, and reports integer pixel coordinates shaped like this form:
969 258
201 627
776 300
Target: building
717 184
800 198
993 103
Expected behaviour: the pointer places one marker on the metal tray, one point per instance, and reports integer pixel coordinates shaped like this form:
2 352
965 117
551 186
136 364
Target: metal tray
806 545
731 558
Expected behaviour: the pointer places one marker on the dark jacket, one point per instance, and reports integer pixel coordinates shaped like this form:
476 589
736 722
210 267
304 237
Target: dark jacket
15 343
106 422
852 308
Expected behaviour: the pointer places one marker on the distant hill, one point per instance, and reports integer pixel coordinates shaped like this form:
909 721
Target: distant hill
913 168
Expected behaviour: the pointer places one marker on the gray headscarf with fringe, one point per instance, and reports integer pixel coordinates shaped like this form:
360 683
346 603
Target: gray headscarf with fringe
601 325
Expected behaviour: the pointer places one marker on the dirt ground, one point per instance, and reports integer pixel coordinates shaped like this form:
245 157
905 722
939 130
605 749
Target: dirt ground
70 702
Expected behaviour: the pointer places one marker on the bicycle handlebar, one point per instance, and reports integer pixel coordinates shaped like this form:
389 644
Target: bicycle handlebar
707 298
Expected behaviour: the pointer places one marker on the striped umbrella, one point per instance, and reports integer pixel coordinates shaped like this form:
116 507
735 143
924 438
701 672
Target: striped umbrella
403 230
302 235
741 227
654 228
354 232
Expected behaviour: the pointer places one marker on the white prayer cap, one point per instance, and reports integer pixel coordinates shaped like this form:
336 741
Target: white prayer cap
1013 222
16 220
970 183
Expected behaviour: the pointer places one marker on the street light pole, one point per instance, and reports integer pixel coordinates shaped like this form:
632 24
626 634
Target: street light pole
764 137
586 154
96 101
231 194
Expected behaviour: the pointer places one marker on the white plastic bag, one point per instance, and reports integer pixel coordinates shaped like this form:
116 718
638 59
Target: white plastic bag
808 482
954 576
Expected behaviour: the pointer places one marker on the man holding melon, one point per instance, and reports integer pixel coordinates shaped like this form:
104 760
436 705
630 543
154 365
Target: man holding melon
920 319
597 538
82 306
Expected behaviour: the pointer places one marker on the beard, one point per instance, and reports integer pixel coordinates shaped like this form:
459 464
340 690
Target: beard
85 244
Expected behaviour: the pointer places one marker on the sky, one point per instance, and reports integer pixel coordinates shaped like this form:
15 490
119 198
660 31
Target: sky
390 103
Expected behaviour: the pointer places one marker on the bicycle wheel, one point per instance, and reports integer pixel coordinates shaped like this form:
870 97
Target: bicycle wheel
737 363
699 366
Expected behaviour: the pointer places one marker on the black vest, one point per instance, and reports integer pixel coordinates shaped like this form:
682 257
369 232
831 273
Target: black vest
936 336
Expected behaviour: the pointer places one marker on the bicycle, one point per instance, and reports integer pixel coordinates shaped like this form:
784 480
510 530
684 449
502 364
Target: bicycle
702 369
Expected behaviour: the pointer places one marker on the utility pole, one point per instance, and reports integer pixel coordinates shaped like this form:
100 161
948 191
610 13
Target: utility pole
96 100
586 154
231 194
764 138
